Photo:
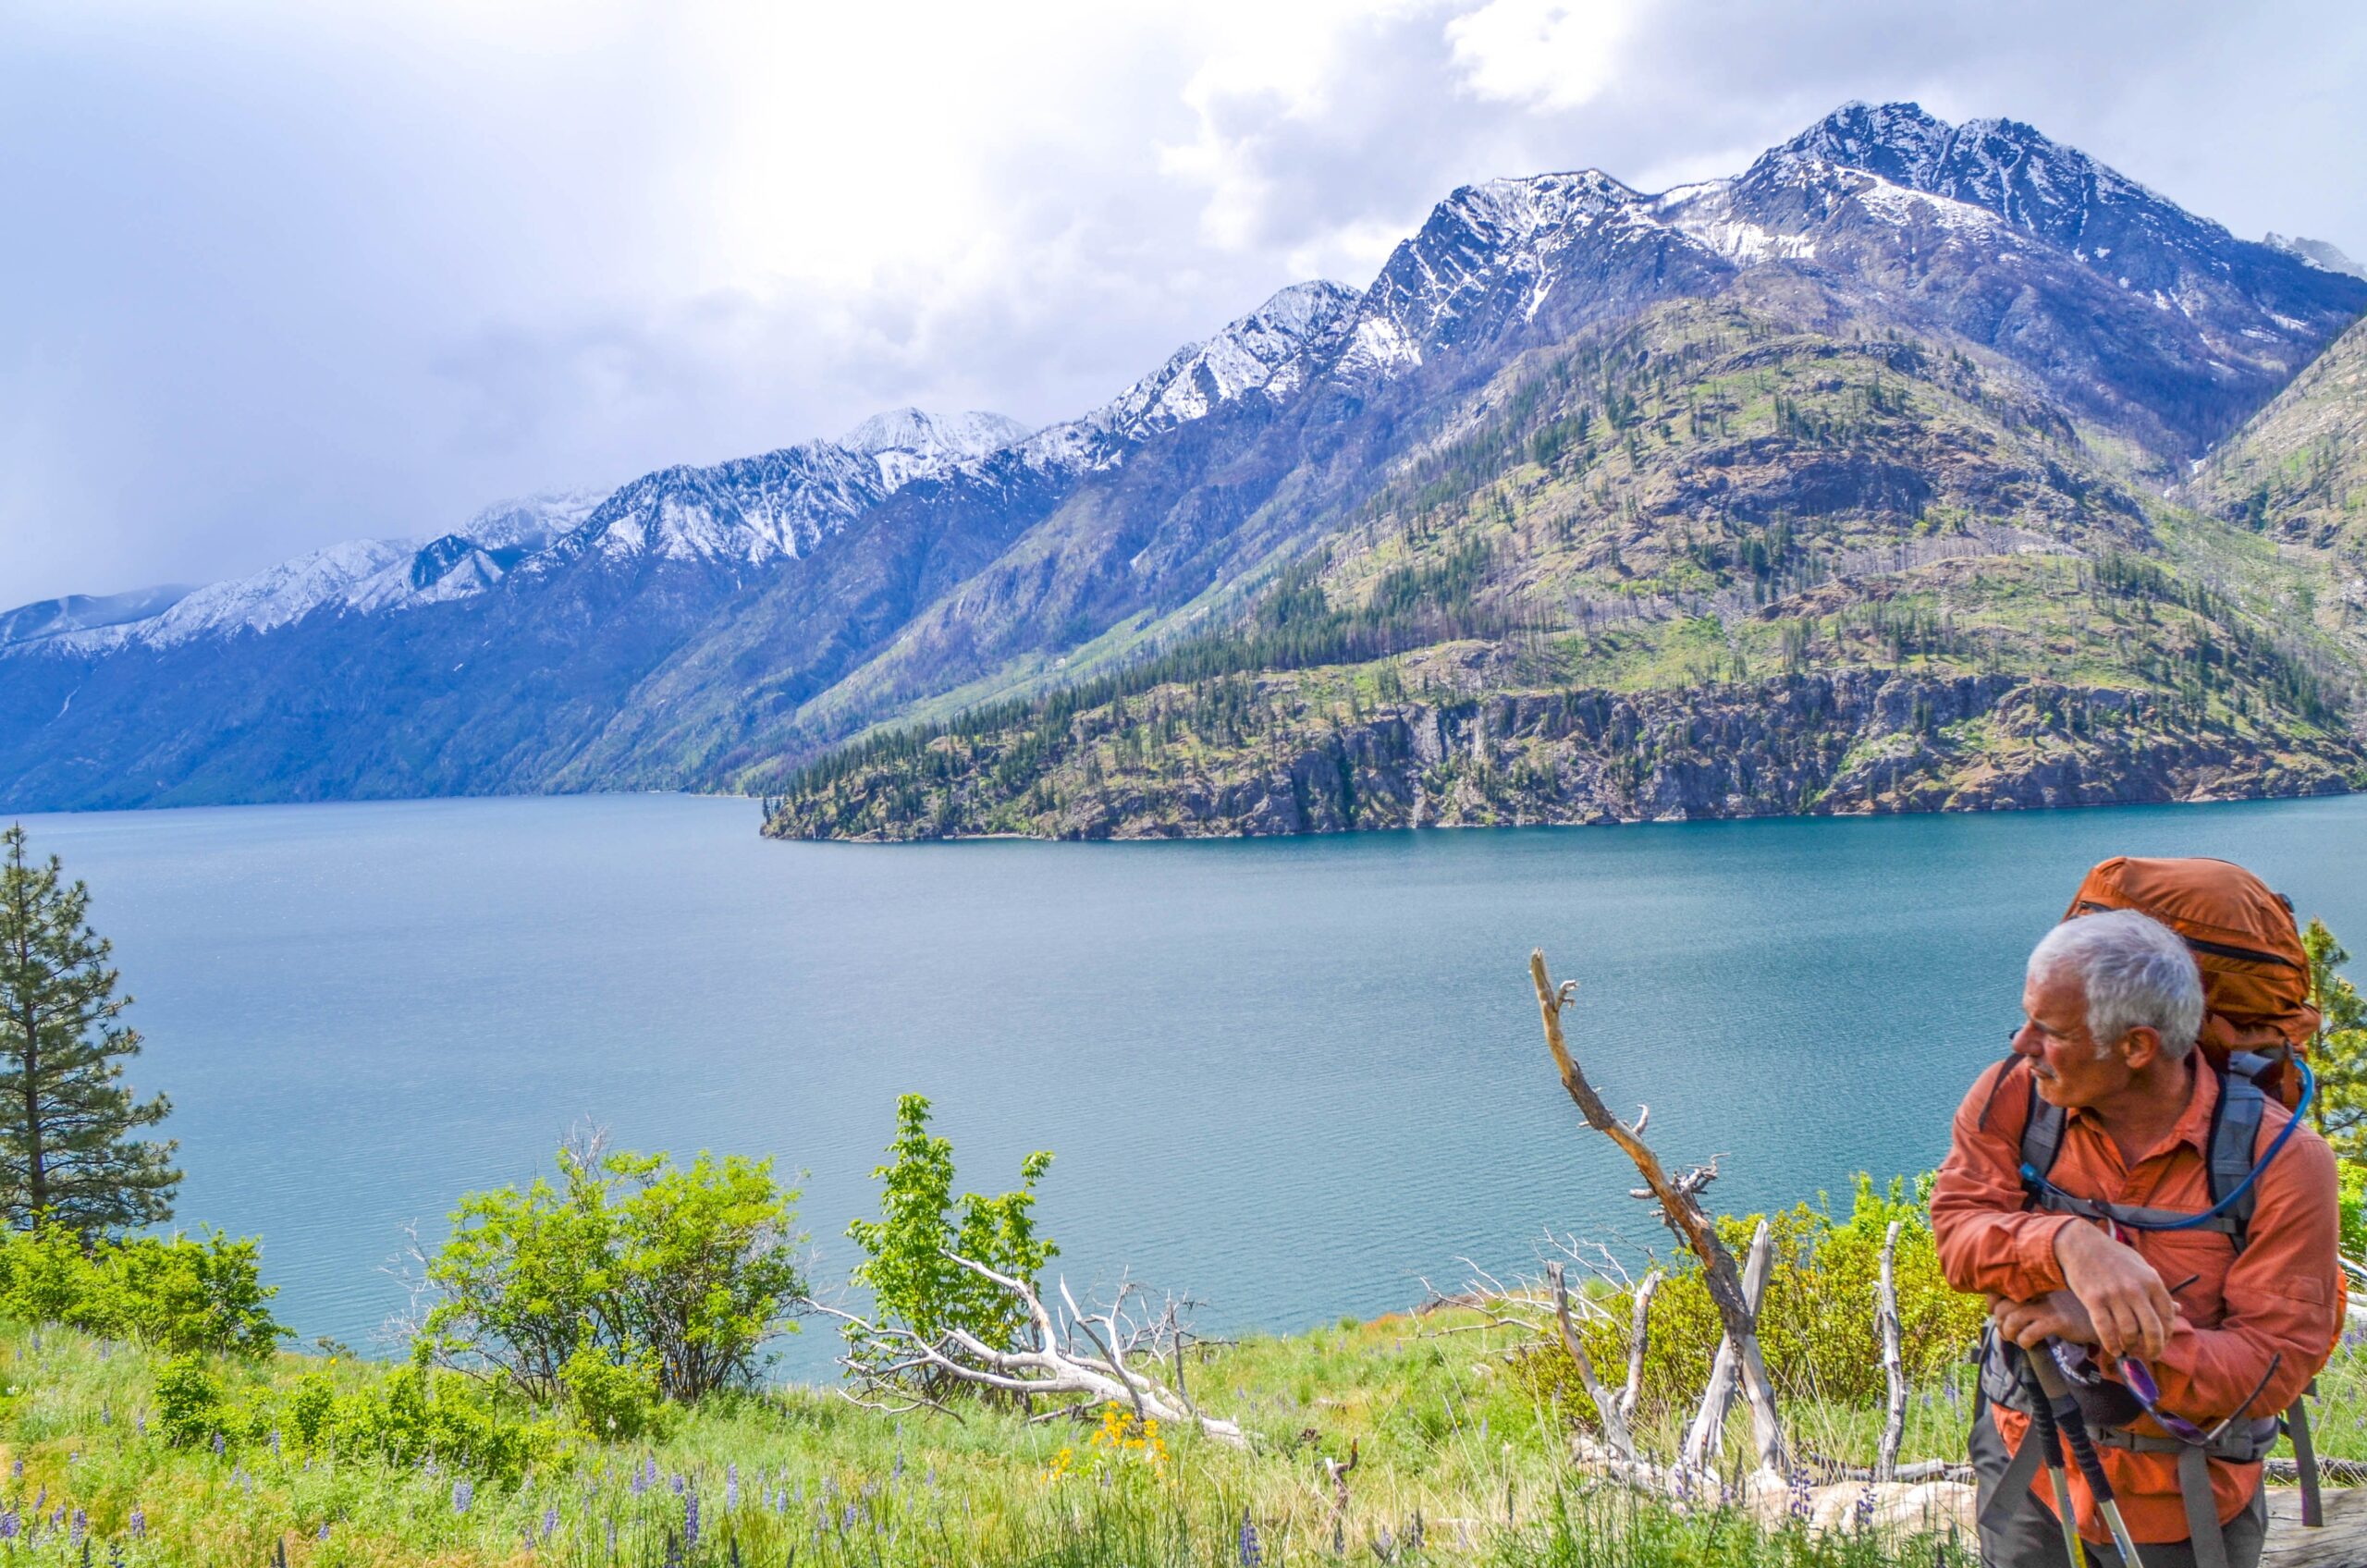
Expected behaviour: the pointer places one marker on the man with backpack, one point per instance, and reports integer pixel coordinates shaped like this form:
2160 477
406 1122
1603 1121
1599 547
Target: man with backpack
2153 1223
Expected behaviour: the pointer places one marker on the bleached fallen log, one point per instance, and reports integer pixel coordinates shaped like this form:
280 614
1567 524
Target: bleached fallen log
1682 1211
899 1359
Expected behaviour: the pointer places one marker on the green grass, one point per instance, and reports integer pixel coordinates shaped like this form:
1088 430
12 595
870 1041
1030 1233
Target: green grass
1454 1453
1454 1448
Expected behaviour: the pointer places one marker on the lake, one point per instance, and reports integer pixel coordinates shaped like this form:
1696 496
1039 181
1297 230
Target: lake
1292 1077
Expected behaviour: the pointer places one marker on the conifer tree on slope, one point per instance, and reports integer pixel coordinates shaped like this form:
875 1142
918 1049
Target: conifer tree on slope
65 1114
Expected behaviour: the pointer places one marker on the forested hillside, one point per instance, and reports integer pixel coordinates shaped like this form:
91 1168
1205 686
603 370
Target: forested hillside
1714 562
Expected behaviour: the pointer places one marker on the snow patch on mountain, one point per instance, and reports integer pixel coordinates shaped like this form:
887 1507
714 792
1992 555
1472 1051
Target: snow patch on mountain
83 612
273 597
2318 254
1270 353
909 444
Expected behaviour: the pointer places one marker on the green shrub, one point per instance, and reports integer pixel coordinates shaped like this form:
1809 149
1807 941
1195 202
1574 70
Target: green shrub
189 1404
615 1399
310 1408
2354 1209
182 1295
908 1251
1816 1324
629 1253
411 1413
176 1294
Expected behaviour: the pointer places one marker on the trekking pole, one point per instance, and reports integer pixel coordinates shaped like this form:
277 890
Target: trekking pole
2050 1440
2074 1428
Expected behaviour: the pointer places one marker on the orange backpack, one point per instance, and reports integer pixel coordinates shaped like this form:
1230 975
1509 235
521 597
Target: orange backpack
2256 971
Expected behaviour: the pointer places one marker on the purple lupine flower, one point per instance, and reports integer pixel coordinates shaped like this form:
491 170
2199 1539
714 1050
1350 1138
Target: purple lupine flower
1866 1506
898 1473
217 1445
142 1423
462 1495
275 1442
691 1521
40 1499
323 1534
676 1481
730 1488
613 1538
847 1523
78 1525
550 1522
137 1523
1250 1555
11 1527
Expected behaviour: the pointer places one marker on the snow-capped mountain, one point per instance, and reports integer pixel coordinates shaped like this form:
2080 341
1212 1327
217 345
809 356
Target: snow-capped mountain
702 619
909 444
360 575
2317 252
1537 256
1267 353
779 505
81 612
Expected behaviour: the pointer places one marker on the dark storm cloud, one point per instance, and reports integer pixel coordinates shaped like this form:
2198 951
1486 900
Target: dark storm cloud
282 276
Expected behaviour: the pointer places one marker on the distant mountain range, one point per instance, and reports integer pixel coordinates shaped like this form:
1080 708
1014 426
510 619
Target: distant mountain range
1916 466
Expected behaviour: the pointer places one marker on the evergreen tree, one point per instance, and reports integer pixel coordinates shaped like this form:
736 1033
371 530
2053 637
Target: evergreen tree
67 1153
2339 1056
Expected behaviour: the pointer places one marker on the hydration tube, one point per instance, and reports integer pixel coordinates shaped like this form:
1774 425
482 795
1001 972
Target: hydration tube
2187 1223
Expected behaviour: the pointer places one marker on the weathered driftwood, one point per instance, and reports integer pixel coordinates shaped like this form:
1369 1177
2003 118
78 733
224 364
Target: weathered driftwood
1707 1432
1086 1354
1682 1211
1617 1411
1894 1363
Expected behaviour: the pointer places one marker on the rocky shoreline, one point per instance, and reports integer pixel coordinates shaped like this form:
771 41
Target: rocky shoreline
1850 743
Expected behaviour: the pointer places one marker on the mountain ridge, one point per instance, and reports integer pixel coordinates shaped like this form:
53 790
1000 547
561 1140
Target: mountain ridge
720 626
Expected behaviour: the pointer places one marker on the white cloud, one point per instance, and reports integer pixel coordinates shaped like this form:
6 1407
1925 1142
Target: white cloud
1555 55
309 272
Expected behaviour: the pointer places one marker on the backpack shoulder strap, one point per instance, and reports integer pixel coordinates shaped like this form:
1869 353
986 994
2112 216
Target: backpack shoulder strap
2235 1133
2041 1131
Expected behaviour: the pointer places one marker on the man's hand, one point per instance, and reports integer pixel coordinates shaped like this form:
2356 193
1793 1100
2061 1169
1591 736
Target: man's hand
2128 1306
2057 1315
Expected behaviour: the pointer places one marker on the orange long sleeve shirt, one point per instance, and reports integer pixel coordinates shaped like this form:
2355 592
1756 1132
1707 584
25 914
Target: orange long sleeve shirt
2280 1300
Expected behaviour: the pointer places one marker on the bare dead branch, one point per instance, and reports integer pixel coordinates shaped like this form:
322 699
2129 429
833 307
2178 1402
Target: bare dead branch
1680 1209
1606 1409
1893 1364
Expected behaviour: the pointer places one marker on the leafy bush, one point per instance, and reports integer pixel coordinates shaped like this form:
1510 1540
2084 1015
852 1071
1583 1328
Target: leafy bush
617 1401
908 1251
629 1256
190 1406
1816 1325
411 1413
2354 1209
177 1294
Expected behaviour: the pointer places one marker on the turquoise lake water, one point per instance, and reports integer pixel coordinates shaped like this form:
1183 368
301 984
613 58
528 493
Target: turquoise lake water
1291 1077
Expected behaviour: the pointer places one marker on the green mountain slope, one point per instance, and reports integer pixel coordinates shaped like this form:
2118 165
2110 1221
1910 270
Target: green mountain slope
2299 467
1728 558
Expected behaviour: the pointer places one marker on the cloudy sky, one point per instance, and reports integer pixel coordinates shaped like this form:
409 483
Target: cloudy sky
279 274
